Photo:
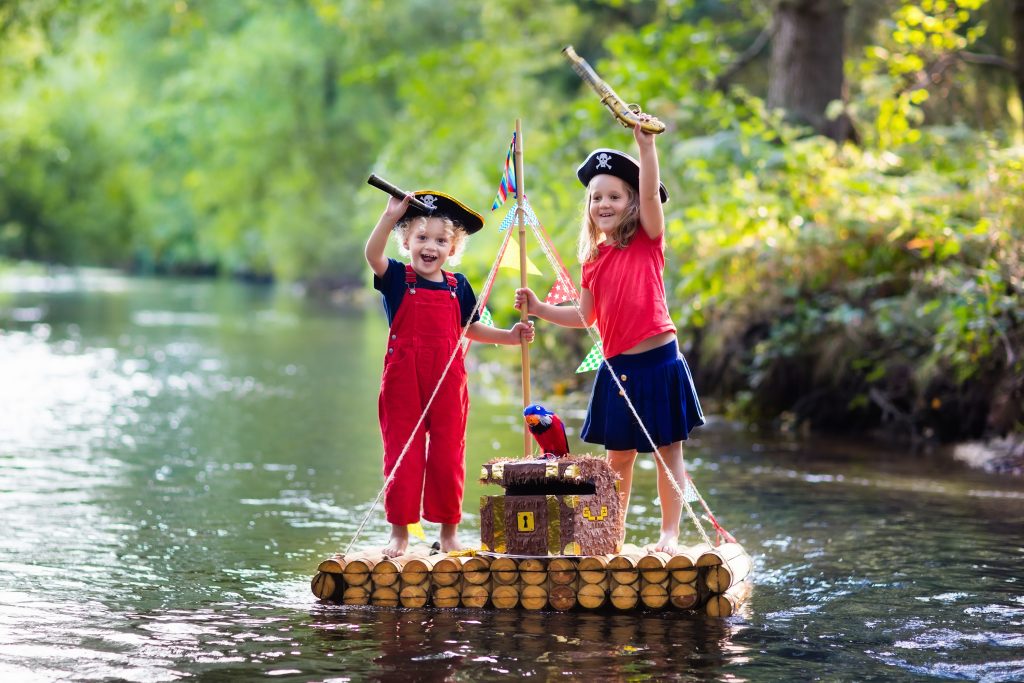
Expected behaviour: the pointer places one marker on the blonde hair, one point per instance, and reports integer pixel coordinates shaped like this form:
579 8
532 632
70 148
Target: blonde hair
458 235
620 236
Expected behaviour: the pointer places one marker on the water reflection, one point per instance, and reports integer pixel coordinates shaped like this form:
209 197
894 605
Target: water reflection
486 644
176 458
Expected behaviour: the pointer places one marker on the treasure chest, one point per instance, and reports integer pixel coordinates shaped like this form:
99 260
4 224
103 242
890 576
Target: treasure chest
561 506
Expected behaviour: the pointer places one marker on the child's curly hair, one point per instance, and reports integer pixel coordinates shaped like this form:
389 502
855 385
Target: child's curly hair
458 235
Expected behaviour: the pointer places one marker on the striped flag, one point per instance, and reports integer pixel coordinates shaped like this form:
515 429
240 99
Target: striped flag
508 178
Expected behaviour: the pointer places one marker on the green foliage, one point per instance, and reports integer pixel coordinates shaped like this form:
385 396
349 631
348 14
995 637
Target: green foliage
841 285
844 285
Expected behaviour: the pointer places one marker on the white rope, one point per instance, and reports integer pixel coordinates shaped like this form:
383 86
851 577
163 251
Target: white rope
534 223
430 401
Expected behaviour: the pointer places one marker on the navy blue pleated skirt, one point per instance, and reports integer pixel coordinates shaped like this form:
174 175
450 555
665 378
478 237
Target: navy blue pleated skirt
659 385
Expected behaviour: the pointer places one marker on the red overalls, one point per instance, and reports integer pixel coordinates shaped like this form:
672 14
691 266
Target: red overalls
424 333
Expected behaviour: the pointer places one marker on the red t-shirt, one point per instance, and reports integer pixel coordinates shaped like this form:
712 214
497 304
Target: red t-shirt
628 287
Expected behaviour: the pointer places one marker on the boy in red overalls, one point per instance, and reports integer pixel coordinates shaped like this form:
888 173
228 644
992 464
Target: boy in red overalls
427 308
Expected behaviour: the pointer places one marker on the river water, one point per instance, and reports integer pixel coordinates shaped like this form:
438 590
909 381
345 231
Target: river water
176 457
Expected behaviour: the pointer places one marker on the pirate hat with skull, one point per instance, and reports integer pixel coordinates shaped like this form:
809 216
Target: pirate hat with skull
445 205
616 163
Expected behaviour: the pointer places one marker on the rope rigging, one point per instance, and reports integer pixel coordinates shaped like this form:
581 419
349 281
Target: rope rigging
554 261
525 214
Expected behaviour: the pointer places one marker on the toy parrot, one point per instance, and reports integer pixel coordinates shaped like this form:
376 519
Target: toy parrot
547 429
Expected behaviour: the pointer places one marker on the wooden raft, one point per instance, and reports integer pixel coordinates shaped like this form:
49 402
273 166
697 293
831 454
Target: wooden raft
714 580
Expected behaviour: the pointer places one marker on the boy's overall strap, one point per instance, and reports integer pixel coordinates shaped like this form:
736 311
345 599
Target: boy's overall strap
410 278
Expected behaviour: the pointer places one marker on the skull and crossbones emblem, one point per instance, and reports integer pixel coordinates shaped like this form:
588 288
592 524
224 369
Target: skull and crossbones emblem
602 161
430 200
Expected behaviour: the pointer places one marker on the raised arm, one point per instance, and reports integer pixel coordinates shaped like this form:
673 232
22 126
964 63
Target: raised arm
652 216
566 316
378 241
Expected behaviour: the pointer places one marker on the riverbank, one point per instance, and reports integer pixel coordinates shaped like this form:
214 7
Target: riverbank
997 456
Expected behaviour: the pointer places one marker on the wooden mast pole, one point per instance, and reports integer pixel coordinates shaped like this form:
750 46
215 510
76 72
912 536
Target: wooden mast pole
523 313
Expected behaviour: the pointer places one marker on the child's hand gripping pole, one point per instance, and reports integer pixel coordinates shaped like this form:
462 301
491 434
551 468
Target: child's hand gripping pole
625 113
395 192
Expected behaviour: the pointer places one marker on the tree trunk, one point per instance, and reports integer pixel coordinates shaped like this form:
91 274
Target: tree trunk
1018 37
807 63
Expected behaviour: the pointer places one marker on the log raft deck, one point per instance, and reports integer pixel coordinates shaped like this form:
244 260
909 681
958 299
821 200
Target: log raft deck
700 578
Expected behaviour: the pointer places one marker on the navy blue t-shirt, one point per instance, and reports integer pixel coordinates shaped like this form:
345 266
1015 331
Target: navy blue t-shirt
393 287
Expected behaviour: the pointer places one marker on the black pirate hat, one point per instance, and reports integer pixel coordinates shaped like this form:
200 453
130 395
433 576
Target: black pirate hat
616 163
442 204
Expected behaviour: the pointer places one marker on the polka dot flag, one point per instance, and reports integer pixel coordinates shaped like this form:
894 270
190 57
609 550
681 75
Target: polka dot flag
593 360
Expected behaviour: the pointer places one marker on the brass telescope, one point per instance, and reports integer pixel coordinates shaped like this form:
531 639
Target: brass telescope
626 114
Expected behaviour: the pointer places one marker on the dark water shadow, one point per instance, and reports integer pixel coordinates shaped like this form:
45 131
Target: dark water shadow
444 645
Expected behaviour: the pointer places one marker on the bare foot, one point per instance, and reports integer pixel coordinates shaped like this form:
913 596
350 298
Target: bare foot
399 541
668 543
450 538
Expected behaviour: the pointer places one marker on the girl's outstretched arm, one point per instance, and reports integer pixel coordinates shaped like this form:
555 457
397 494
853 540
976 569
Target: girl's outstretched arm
652 216
566 316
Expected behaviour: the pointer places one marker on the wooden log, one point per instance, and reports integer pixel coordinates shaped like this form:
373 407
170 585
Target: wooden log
333 565
446 596
477 570
652 566
592 595
326 584
414 594
654 594
355 595
729 573
505 595
504 571
533 596
532 571
683 594
447 571
357 570
562 596
475 594
622 568
713 557
561 571
418 569
728 603
388 571
624 596
593 568
384 596
682 566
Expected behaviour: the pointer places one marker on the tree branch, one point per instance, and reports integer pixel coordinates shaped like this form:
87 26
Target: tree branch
987 60
748 55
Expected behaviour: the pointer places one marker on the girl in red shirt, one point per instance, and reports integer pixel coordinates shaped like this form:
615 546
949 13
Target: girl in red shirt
622 249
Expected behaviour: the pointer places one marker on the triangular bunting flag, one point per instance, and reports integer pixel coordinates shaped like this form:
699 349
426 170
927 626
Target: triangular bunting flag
486 318
510 259
562 290
593 360
509 219
690 492
416 529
